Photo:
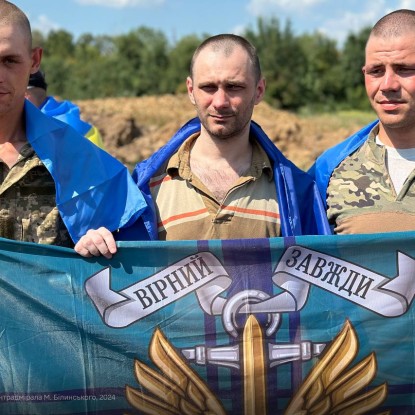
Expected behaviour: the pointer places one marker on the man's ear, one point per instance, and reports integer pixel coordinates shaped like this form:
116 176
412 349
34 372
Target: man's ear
189 85
36 59
260 90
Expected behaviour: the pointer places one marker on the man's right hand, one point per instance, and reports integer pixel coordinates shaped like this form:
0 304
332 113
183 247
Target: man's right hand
97 242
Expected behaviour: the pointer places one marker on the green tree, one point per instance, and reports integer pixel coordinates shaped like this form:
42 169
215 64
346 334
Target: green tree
283 62
178 66
301 71
352 61
323 87
38 39
59 44
57 71
87 78
142 61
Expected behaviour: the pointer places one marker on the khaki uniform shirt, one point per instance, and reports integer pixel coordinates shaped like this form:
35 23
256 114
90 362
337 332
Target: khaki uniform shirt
186 209
361 197
28 209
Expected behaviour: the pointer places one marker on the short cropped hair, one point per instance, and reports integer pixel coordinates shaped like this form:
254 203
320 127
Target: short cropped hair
226 43
394 24
11 14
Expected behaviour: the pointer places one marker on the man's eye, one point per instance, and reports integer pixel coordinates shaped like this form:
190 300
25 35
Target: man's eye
406 70
9 61
374 71
208 88
235 87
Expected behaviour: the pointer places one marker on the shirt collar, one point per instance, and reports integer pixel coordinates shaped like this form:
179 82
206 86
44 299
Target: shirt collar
179 163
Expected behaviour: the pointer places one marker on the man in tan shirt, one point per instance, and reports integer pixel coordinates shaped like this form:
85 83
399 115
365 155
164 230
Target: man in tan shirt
220 176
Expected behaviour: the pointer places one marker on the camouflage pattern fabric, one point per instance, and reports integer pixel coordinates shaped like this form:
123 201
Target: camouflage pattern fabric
361 185
28 209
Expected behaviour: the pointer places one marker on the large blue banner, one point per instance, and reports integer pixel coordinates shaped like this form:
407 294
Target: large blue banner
306 325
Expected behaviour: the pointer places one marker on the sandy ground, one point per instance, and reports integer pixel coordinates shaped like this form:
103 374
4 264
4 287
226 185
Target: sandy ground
133 128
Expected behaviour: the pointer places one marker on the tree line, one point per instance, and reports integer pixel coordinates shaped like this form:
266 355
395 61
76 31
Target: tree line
307 72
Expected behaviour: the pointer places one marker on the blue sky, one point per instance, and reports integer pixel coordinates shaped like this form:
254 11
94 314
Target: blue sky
177 18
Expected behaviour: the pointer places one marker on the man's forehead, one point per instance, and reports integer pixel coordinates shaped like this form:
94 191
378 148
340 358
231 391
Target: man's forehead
211 56
397 46
225 50
221 63
390 40
11 36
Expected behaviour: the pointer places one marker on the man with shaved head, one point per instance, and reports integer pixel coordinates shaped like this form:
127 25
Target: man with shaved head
220 176
54 184
368 181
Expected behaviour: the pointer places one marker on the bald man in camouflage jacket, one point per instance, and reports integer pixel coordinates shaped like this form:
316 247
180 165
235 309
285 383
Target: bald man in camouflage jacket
368 181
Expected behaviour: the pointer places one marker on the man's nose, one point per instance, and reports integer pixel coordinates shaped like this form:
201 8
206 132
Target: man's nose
390 81
220 99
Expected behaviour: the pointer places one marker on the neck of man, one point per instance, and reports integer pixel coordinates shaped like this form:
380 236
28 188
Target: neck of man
13 126
219 163
13 135
402 138
229 151
12 139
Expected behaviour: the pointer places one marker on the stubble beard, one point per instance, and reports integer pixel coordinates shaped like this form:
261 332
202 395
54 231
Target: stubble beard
396 120
230 130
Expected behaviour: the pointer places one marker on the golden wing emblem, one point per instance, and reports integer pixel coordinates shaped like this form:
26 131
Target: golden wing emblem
332 387
176 389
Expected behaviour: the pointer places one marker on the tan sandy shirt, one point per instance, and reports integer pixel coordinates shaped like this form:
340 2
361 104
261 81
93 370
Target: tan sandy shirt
186 209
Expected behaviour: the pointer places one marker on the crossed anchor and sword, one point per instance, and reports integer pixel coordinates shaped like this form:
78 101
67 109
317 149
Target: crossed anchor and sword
254 353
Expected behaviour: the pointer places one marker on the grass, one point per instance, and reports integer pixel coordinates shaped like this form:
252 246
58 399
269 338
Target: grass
341 119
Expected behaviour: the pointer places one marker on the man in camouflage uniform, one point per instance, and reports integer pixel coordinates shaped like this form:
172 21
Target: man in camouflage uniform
368 181
27 199
54 184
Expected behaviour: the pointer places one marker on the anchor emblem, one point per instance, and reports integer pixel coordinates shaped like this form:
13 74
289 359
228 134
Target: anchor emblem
331 385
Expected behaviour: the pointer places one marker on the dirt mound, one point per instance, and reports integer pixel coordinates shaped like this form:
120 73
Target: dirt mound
133 128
